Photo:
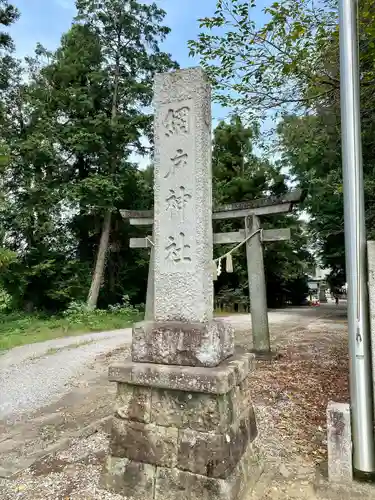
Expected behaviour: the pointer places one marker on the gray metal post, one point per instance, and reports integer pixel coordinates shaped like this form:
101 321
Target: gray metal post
355 244
257 287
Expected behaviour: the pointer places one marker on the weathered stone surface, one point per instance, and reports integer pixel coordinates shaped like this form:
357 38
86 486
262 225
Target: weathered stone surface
217 380
241 398
201 441
246 474
183 197
137 481
174 484
202 412
339 440
245 388
212 454
133 479
179 343
253 423
184 348
133 402
198 411
147 443
355 490
203 453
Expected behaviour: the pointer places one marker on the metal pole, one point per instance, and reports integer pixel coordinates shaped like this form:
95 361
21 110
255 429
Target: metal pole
355 244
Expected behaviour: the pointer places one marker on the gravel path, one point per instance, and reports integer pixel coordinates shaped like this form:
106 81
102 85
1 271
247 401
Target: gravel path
305 337
34 375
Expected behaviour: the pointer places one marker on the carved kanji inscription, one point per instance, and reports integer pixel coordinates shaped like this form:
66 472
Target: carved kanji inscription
176 250
177 161
177 121
177 200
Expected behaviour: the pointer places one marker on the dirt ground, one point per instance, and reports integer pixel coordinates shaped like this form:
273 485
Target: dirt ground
58 453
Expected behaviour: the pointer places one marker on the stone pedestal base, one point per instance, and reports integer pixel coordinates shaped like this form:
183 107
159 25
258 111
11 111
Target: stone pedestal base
181 343
183 432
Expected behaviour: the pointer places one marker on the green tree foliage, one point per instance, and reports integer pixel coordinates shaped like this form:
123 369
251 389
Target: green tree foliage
8 15
272 67
75 124
70 122
311 145
289 68
129 34
240 175
33 215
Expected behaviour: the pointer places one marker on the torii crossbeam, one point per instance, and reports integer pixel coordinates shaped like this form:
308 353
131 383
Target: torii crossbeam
250 211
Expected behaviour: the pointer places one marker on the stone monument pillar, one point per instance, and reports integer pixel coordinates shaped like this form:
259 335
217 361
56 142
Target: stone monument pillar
184 425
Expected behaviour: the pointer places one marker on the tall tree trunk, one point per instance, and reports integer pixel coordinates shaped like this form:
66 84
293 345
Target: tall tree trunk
83 234
97 277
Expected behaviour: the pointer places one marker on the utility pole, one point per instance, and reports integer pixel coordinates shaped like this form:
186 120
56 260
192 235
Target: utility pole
355 244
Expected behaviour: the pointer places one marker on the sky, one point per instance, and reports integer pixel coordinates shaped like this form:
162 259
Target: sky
44 21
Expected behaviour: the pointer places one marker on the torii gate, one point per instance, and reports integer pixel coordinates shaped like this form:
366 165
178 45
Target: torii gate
250 211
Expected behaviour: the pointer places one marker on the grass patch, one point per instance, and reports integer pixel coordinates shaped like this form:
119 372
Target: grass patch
18 329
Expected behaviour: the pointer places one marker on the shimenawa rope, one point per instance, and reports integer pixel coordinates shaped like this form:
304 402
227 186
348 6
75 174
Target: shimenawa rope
228 255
